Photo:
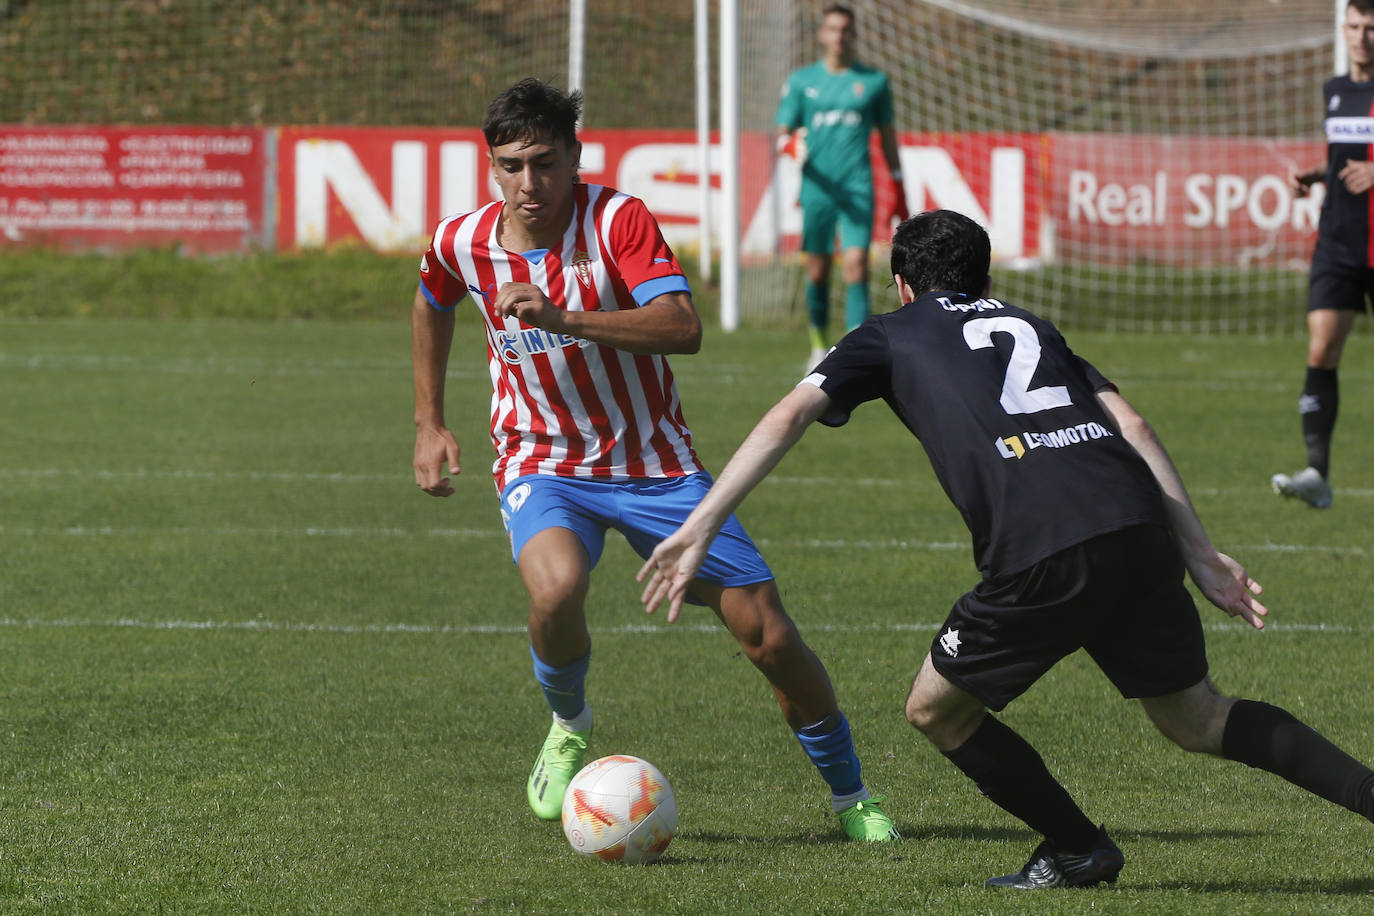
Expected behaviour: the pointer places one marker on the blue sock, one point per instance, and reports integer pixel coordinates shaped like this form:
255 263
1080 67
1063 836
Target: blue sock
818 305
831 748
563 687
855 305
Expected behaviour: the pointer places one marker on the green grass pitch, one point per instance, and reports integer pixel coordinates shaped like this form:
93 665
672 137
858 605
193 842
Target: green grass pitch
245 666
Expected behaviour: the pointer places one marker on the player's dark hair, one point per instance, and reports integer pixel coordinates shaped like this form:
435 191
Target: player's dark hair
840 9
941 249
532 109
1363 6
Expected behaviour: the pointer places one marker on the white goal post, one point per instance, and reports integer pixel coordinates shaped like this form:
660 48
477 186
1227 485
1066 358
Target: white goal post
1129 160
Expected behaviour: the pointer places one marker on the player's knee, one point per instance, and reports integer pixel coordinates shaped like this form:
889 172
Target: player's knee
554 590
1195 726
1187 735
917 713
928 718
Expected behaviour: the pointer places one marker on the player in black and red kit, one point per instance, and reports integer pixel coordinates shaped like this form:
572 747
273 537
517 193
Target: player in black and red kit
1081 529
1342 276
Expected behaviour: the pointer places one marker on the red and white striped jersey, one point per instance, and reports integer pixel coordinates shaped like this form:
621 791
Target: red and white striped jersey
560 405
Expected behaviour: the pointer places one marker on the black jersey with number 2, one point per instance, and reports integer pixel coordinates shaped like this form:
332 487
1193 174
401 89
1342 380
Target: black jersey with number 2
1007 415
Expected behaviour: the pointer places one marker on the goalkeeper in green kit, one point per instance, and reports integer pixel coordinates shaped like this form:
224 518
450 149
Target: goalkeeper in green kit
827 113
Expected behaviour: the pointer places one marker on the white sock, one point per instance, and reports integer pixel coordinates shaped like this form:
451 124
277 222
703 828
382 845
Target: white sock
578 723
840 802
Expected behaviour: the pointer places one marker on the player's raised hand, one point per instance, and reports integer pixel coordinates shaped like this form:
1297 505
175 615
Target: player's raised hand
433 447
528 303
1226 584
675 563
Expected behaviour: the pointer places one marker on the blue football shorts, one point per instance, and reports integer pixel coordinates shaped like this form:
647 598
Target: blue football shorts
644 509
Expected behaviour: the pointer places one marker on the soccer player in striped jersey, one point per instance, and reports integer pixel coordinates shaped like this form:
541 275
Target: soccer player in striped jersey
1081 528
1341 280
582 300
827 113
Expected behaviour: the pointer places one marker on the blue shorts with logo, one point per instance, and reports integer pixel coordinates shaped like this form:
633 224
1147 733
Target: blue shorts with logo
644 509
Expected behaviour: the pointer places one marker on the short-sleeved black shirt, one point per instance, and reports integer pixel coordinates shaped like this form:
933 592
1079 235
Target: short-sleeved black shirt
1343 230
1007 415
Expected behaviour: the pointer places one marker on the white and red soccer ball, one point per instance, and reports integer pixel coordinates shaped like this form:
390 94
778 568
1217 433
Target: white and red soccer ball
620 809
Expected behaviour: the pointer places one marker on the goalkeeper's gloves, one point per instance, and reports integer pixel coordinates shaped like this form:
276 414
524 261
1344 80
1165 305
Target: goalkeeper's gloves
900 213
793 144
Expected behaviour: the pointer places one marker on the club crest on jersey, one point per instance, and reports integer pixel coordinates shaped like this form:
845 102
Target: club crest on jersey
517 346
582 266
858 90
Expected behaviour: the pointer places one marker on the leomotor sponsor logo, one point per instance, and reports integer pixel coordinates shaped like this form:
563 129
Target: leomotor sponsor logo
1021 445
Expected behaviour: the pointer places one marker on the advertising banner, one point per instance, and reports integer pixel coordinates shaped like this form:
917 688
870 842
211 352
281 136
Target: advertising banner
202 188
1181 201
389 187
1086 198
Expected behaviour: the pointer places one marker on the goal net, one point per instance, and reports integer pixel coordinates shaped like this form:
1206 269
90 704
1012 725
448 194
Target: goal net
1129 160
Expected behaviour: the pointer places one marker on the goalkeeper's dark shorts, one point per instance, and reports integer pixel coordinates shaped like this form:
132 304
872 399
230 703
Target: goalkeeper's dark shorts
1119 596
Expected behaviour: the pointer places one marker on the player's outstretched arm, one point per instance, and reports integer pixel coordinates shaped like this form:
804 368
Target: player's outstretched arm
431 337
1221 579
678 558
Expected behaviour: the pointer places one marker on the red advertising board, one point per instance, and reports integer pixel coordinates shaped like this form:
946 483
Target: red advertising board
199 187
389 187
1181 201
1093 198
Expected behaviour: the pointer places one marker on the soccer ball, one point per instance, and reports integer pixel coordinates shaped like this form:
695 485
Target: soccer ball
620 809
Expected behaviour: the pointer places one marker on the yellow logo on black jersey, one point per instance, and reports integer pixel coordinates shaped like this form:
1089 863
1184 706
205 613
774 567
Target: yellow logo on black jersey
1019 446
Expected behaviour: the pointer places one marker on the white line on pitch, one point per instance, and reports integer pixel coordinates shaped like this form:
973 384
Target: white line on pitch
1224 380
895 544
403 476
97 531
388 629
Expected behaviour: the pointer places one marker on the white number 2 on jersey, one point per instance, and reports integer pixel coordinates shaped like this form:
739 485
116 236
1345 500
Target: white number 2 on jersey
1017 394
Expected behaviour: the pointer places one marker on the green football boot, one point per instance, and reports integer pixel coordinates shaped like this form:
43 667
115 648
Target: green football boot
558 762
865 821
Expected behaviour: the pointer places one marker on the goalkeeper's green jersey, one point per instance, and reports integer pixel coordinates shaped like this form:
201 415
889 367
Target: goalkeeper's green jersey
839 111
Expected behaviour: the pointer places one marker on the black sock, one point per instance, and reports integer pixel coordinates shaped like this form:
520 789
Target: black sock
1269 738
1009 772
1318 404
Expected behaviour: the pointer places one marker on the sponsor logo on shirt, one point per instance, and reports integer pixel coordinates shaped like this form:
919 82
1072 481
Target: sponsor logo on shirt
517 346
1020 446
1350 130
845 116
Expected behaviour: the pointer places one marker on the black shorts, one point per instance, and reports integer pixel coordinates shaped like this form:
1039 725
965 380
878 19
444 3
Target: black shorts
1334 285
1120 596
